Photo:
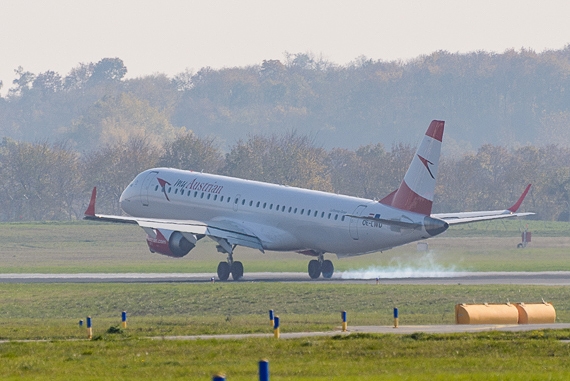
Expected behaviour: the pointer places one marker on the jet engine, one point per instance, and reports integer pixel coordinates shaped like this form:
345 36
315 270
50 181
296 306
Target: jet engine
170 243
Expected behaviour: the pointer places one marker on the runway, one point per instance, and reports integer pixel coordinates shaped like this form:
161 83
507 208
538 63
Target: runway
551 278
401 330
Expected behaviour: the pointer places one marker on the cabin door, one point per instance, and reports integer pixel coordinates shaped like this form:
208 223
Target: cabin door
146 186
354 222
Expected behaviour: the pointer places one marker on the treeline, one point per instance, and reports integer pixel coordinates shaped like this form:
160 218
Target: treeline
512 99
43 181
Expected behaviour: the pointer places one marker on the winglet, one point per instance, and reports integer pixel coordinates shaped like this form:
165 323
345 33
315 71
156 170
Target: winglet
90 211
517 205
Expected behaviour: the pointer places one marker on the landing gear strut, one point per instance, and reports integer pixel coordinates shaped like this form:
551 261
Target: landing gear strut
320 266
230 266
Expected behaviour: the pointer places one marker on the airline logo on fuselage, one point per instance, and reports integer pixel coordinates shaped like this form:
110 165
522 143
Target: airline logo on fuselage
199 186
190 185
163 184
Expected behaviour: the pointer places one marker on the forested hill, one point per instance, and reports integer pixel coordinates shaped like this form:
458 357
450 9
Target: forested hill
511 99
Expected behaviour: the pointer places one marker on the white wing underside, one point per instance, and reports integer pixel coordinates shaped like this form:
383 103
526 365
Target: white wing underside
232 233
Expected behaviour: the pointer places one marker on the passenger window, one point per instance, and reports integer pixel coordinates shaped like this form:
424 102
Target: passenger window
322 214
196 194
169 189
156 188
221 198
295 211
264 205
277 208
283 208
316 212
342 219
329 216
202 195
243 201
336 217
290 209
215 197
229 199
236 201
251 203
302 211
271 207
309 212
208 196
176 191
257 205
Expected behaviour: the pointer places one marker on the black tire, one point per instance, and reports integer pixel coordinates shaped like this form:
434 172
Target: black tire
314 269
237 270
223 271
327 269
519 246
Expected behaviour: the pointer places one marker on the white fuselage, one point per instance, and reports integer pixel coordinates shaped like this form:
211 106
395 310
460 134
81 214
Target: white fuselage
283 218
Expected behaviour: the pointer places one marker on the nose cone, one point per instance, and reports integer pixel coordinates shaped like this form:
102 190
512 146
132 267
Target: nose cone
435 226
129 196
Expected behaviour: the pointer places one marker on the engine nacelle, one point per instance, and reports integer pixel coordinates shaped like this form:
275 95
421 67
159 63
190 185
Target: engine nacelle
171 243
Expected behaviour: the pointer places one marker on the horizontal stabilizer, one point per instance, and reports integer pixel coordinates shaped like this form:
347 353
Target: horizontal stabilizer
467 217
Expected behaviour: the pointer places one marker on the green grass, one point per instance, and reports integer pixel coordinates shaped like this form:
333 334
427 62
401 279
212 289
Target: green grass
92 247
483 356
52 311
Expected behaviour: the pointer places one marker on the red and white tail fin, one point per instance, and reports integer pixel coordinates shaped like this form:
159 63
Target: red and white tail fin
416 192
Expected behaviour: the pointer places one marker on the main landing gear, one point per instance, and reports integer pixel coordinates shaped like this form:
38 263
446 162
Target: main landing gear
320 266
235 268
230 267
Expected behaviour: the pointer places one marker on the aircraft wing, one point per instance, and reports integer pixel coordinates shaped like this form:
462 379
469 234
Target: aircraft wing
229 231
467 217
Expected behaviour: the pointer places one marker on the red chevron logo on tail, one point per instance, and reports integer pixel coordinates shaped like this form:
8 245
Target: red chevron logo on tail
426 163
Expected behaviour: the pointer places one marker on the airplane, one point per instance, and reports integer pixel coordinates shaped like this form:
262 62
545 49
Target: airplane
177 208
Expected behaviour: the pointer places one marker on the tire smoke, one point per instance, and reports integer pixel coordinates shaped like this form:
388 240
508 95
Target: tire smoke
423 267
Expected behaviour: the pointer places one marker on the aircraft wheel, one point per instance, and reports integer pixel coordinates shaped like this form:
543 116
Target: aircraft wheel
237 270
327 269
314 269
223 271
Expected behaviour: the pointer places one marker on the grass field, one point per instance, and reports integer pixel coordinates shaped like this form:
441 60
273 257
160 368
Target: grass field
91 247
51 311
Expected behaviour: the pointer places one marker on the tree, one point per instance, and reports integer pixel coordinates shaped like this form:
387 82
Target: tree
108 70
47 83
40 181
187 151
113 167
22 83
117 119
289 159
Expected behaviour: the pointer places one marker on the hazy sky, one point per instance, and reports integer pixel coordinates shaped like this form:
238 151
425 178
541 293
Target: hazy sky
169 36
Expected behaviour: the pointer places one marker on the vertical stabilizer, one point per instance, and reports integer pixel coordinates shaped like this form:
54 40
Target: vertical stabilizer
416 192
